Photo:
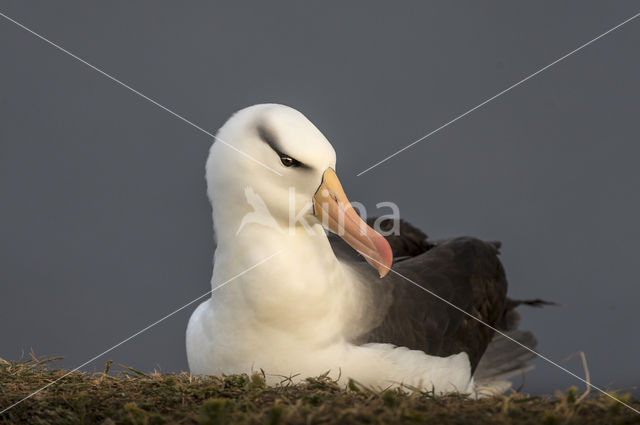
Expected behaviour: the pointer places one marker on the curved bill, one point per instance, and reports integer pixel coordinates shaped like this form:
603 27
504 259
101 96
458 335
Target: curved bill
331 206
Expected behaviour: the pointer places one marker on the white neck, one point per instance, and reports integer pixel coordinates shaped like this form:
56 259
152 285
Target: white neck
301 291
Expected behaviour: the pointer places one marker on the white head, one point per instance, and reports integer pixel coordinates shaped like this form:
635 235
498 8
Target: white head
278 153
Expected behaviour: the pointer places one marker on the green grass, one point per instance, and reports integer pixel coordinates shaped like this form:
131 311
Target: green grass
132 397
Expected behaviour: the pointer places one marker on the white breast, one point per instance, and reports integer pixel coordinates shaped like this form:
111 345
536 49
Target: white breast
289 316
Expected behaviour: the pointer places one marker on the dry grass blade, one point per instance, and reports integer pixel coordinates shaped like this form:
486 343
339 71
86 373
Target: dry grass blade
133 397
587 375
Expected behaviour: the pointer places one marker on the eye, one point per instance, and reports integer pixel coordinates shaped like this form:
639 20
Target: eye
287 161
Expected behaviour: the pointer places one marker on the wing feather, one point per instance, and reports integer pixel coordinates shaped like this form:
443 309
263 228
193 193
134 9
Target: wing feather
464 271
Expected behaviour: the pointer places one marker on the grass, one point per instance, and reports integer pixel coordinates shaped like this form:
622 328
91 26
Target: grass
132 397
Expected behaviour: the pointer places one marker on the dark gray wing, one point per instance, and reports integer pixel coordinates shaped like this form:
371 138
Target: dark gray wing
464 271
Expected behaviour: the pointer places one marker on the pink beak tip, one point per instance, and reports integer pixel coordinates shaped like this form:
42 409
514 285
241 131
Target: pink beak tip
386 254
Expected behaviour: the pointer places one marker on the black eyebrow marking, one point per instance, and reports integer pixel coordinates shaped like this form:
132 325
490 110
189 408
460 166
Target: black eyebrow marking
270 139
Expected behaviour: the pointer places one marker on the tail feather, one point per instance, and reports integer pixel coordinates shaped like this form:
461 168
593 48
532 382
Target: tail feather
504 358
511 316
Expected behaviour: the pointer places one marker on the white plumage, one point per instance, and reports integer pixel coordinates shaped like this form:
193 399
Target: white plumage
296 313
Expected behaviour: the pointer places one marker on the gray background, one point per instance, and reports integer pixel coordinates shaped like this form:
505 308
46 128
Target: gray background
104 222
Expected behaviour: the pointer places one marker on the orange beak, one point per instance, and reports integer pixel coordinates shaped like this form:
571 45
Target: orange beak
336 213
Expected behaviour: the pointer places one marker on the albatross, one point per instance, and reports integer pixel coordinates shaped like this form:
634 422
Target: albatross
301 284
